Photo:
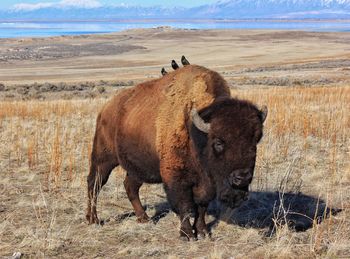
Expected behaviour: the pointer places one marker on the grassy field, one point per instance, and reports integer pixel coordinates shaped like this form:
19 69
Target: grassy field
301 183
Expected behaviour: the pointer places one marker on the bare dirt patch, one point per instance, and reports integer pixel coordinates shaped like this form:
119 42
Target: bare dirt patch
62 90
61 50
141 53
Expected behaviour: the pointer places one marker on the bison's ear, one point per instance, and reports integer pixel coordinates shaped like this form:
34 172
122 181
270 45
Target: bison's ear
263 113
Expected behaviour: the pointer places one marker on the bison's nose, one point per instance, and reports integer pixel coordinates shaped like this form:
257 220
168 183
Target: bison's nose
241 177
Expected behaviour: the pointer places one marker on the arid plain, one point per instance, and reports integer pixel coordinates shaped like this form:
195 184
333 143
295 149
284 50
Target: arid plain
51 90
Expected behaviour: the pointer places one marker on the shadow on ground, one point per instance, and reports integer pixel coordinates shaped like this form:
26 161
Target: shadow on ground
162 209
263 210
272 209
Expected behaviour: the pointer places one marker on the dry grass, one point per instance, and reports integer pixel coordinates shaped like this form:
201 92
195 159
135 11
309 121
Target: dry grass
44 159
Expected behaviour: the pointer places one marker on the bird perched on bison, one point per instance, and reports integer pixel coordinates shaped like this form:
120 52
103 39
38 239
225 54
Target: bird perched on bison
184 61
174 65
163 71
197 140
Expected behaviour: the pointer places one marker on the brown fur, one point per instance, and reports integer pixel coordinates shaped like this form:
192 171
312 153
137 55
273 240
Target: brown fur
148 131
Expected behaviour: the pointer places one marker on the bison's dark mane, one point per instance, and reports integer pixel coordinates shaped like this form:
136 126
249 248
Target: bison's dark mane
234 103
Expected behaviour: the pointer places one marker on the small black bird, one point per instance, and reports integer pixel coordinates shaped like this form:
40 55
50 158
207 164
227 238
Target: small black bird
163 71
174 65
184 61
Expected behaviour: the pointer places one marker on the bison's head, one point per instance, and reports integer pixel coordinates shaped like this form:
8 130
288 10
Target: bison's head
226 135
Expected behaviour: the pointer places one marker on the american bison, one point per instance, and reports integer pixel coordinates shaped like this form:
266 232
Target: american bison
183 130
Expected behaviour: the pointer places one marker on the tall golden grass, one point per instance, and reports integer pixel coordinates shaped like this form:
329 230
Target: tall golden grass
307 134
56 135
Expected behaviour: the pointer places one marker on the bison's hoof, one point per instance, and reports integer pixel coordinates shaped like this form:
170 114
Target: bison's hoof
94 220
203 234
187 236
143 219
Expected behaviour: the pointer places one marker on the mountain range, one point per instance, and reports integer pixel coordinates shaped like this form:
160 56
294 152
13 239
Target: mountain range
224 9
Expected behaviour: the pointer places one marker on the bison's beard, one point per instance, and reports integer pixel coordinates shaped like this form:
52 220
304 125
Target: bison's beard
232 197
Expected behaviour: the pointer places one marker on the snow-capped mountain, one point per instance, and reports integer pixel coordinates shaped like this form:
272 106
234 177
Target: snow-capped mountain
91 13
276 9
223 9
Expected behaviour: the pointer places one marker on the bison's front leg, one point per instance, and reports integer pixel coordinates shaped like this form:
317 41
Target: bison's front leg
199 225
180 198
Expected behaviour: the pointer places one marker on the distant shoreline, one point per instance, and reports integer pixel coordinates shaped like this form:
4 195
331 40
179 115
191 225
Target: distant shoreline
38 28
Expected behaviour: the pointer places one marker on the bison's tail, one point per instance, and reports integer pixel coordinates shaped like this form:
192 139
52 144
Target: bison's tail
101 165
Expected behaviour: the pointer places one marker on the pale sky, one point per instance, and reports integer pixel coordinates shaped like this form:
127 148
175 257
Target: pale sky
5 4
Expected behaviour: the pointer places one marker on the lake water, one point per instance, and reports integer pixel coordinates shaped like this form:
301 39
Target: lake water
44 29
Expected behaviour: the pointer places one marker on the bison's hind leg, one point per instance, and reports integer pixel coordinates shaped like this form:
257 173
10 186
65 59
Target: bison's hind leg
132 186
97 178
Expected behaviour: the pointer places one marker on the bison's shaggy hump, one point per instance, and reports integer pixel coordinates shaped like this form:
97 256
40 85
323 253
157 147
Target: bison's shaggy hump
191 86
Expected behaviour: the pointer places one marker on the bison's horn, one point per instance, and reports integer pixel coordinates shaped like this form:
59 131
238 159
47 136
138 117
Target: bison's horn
263 111
199 122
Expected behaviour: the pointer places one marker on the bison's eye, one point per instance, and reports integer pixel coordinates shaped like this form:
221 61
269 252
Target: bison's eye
218 146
